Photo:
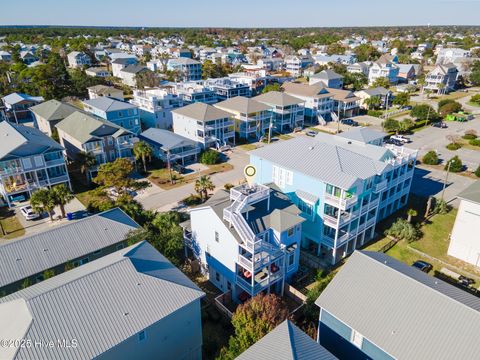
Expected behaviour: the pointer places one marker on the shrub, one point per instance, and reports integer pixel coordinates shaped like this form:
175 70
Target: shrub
445 102
209 157
453 146
474 142
469 137
471 132
192 200
475 99
441 207
456 164
403 230
391 125
421 112
430 158
375 113
228 186
450 108
477 172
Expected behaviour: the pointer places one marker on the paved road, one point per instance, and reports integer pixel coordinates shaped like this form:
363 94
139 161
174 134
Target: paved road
155 198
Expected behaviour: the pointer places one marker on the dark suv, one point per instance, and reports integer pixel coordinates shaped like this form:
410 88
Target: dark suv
423 266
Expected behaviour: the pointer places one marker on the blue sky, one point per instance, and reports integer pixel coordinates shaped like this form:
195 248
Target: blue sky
240 13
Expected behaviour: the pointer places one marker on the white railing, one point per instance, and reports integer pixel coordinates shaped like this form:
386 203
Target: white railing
380 186
339 202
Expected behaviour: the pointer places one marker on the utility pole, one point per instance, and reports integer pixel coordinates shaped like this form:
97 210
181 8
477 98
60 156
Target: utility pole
446 178
428 115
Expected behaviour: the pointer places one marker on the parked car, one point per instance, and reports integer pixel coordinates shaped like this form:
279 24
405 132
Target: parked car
394 142
297 129
349 122
423 266
28 213
311 133
465 281
440 124
400 138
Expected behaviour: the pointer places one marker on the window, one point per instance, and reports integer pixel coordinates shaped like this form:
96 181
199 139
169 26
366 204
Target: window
120 246
97 252
142 335
281 176
357 339
229 285
291 258
217 237
217 276
305 207
84 261
290 231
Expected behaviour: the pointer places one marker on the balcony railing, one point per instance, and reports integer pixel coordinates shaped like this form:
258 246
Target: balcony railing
339 202
380 186
59 161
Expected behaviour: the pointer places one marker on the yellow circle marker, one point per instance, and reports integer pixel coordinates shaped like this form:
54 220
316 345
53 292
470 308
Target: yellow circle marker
250 171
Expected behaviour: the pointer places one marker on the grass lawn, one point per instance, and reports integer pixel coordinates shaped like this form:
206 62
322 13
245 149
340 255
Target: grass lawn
466 145
284 136
433 242
248 147
453 96
473 104
161 177
10 224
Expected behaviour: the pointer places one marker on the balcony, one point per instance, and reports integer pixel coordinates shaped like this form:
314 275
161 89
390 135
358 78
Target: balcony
58 179
380 186
340 203
53 162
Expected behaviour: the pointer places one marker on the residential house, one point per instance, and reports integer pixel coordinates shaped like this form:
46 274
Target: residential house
295 64
406 72
367 312
385 67
324 59
287 111
29 160
50 113
328 78
386 96
344 185
17 106
252 118
361 68
62 247
256 79
100 72
121 113
271 64
246 240
129 74
345 103
141 49
205 124
286 342
121 63
5 56
28 57
188 69
442 79
148 309
464 241
226 88
191 92
103 139
318 101
156 107
170 147
78 59
447 56
97 91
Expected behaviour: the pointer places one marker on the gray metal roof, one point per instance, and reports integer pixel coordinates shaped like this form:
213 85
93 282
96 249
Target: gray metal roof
134 69
34 254
363 134
402 310
242 105
327 74
165 139
202 112
52 110
15 98
286 342
100 304
19 141
277 98
378 91
85 127
327 158
471 193
107 104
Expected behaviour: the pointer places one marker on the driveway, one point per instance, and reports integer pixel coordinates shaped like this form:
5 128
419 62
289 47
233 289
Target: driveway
44 223
429 182
156 198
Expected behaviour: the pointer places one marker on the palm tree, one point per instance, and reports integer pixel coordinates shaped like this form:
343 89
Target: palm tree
42 201
411 213
143 151
373 102
203 185
85 161
61 196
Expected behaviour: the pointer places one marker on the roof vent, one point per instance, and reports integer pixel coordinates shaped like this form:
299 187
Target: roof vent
45 249
311 148
125 314
18 259
349 142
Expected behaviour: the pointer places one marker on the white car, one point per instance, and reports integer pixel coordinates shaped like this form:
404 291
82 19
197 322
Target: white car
401 138
28 213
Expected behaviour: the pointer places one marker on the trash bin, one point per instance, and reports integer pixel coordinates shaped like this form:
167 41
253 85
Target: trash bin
69 216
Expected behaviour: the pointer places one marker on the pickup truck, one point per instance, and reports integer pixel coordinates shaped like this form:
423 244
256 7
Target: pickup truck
400 138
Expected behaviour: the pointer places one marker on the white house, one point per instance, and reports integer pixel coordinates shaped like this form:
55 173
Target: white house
78 59
328 78
384 67
441 79
97 72
465 241
294 64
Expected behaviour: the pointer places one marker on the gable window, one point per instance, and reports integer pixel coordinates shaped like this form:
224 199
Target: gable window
217 236
357 339
290 231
